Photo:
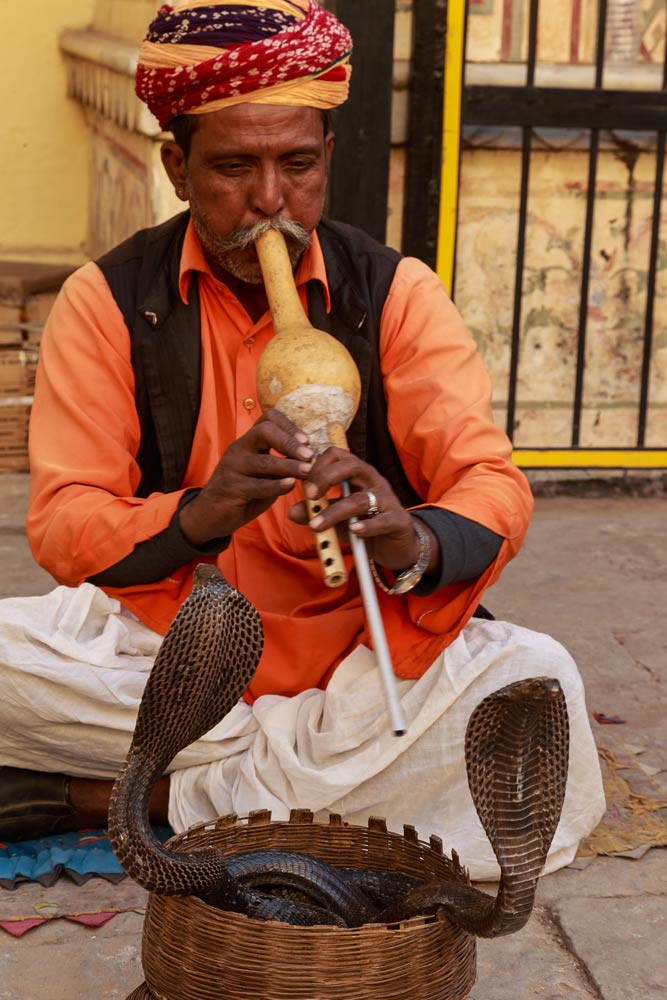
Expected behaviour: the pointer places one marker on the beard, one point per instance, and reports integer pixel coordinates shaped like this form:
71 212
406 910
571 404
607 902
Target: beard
236 253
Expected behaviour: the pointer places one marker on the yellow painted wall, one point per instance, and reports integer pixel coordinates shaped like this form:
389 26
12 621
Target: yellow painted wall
44 167
126 19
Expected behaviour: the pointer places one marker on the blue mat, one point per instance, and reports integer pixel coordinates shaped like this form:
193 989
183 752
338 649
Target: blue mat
80 855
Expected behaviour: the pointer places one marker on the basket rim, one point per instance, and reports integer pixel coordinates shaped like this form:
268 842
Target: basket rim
305 817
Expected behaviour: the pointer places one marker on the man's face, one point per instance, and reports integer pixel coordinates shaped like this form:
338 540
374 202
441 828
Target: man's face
247 164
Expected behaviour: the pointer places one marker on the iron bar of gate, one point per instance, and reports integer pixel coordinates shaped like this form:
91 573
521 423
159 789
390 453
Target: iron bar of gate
526 145
359 177
588 234
558 107
425 118
652 275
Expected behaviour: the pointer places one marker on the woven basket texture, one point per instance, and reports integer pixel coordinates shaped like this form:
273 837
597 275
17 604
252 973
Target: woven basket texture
192 951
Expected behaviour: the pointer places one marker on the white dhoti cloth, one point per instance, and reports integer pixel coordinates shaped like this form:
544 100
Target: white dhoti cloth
73 667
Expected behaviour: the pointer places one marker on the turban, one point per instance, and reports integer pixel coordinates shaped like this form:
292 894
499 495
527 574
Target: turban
202 56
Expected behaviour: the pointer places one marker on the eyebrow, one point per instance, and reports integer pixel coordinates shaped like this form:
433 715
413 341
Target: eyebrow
310 148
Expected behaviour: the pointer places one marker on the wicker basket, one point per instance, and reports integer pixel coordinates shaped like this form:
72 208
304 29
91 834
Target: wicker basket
192 951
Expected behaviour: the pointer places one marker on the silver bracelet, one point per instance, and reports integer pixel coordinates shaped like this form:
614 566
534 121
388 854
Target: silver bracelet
407 579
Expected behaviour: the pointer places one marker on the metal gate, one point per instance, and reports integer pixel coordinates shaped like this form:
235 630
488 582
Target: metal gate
446 103
598 109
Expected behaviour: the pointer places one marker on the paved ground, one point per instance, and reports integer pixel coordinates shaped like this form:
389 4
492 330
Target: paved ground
592 574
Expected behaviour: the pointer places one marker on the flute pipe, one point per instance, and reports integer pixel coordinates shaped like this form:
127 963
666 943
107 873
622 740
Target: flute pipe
334 571
376 626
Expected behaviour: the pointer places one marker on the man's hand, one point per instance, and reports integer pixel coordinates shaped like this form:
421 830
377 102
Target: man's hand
389 535
248 479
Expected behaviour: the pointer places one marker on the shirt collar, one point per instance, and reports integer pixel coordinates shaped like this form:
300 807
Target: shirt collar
311 266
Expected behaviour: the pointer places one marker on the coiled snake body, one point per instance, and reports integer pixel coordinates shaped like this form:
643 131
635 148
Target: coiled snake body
516 753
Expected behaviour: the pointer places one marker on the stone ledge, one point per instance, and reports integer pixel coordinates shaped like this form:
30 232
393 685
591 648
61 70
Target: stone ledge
597 482
100 74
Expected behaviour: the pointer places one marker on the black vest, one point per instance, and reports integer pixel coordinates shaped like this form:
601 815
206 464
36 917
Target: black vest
142 274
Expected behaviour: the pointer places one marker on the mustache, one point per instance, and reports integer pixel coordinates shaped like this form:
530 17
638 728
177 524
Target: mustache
246 236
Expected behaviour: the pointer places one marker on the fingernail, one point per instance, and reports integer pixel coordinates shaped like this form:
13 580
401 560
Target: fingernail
311 491
303 438
356 526
306 453
305 468
316 522
288 481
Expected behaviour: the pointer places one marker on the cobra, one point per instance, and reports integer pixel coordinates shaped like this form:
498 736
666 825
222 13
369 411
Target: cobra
516 752
205 663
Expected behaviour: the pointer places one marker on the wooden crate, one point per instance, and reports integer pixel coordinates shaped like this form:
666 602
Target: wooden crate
17 381
14 420
27 293
18 366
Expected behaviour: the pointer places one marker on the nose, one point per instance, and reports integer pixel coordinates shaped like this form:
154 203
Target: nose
268 195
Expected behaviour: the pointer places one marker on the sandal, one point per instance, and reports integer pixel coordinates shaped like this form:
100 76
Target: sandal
32 803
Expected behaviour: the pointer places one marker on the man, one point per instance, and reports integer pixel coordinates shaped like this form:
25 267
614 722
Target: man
149 455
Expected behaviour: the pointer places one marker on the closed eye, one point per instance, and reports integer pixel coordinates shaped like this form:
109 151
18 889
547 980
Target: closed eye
299 164
231 168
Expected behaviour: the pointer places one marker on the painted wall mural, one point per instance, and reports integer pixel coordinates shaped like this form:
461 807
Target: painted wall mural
498 31
129 188
549 333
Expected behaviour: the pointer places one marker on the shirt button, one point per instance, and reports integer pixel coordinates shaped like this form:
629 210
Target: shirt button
250 342
249 403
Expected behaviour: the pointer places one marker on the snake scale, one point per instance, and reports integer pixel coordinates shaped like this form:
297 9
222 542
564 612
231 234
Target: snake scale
516 752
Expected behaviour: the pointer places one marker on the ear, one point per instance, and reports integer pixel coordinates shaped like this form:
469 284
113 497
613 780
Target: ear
175 164
328 148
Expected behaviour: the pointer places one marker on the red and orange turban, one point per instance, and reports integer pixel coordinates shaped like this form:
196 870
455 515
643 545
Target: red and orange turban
203 55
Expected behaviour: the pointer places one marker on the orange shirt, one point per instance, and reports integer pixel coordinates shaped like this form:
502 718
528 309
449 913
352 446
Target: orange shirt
84 433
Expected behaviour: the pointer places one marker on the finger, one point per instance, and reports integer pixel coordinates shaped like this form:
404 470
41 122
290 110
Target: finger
299 513
265 465
269 437
317 514
336 466
381 525
280 419
265 489
332 515
283 435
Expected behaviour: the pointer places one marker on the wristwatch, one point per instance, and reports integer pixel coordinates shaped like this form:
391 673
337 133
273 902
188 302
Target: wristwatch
407 579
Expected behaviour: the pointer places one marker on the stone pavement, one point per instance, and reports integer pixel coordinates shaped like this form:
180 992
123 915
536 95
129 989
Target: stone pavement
592 573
